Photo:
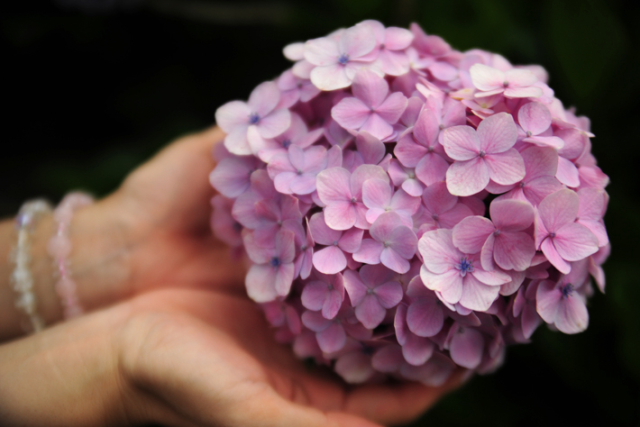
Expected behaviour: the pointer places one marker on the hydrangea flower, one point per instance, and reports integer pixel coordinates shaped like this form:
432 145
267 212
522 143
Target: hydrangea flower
409 210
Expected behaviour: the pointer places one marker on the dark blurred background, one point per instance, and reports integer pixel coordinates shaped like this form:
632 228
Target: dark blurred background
92 88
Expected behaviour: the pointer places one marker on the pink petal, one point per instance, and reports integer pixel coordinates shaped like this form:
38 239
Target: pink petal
354 287
389 294
334 185
548 299
497 133
467 346
284 279
260 283
332 339
468 178
392 260
321 232
427 127
357 41
354 368
387 359
417 350
332 304
232 175
550 251
392 107
448 285
575 242
351 113
559 209
546 141
568 173
369 252
340 215
314 295
540 161
572 316
363 173
431 168
403 241
476 295
511 215
263 100
524 92
518 77
232 115
438 251
371 148
237 143
530 320
330 77
371 89
514 251
329 260
409 152
397 38
486 253
534 117
486 78
377 126
425 318
351 240
370 312
321 51
506 168
461 143
470 234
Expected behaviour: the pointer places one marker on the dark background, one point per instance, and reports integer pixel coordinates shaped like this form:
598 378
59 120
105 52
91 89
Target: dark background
91 88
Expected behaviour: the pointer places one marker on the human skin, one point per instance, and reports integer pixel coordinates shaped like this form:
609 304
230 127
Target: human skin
171 336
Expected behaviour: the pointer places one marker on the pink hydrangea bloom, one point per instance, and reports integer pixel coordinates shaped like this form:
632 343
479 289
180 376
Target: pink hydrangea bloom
392 244
483 155
247 124
563 304
341 192
372 291
273 272
514 83
455 276
371 109
502 239
558 236
332 258
408 209
338 58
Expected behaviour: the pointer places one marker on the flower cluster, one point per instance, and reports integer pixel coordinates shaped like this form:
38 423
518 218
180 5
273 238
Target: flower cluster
408 208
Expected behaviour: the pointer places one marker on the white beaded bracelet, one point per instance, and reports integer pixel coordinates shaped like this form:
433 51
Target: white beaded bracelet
22 279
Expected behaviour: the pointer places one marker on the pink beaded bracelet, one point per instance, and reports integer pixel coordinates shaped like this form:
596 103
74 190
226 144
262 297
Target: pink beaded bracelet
60 249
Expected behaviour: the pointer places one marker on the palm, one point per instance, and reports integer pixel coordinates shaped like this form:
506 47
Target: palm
200 347
211 340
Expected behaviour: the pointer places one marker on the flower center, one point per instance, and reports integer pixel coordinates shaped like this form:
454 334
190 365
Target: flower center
497 233
529 133
465 266
482 154
505 83
286 143
276 262
254 118
354 200
567 290
344 58
552 234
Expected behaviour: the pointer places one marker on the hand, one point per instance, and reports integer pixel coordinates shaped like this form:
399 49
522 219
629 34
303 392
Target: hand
185 358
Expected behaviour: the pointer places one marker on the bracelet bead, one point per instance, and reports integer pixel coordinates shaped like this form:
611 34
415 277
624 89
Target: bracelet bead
21 277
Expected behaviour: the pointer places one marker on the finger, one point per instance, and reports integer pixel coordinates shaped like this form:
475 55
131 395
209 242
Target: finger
397 403
172 189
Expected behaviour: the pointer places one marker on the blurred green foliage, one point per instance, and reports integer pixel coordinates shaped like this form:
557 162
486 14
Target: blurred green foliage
92 88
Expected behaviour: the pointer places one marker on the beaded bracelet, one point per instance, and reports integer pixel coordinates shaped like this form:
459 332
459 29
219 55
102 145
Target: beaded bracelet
21 277
60 248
